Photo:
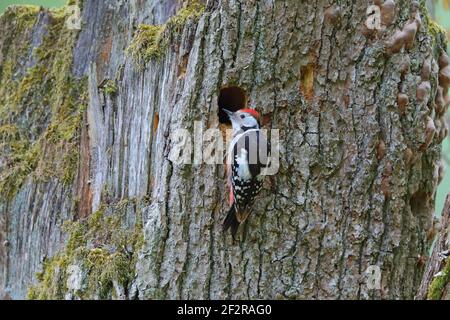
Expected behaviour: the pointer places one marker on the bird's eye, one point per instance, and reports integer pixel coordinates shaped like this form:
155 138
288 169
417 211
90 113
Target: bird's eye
242 116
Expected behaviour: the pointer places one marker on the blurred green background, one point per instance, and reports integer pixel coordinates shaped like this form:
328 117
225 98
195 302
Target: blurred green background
439 9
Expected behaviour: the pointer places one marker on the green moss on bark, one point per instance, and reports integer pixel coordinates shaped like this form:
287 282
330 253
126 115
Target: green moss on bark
437 32
439 283
23 16
104 246
110 88
42 105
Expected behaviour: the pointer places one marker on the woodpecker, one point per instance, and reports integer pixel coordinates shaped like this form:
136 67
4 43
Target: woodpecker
248 156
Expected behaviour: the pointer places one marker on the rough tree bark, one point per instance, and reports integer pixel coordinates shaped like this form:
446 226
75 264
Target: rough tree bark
436 280
360 118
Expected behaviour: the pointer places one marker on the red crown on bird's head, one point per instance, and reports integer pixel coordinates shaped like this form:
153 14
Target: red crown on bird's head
252 112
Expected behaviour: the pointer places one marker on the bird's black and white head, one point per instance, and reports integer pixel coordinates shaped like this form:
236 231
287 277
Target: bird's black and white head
243 120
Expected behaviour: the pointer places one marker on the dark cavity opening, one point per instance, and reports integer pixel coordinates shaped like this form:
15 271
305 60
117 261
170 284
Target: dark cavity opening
232 99
419 203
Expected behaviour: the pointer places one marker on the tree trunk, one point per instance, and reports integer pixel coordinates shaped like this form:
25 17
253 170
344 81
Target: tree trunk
436 280
360 119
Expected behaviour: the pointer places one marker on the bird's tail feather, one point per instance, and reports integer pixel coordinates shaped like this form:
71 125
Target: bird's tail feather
231 222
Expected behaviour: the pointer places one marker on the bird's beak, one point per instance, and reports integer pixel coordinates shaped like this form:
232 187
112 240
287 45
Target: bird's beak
229 113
